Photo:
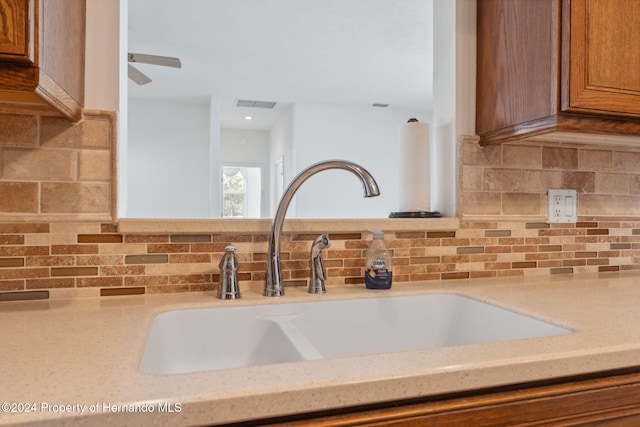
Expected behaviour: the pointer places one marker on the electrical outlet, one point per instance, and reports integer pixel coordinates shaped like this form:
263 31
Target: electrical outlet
562 205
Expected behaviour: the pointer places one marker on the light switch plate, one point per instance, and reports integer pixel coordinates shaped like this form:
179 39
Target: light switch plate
563 206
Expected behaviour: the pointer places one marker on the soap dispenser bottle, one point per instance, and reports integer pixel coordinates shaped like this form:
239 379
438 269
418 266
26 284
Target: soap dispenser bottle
378 264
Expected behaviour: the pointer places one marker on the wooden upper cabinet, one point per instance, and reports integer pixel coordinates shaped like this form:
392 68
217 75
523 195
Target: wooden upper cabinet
42 51
604 76
16 31
557 65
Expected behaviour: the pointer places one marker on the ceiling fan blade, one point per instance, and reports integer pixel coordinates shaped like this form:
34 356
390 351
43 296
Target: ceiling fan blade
137 75
166 61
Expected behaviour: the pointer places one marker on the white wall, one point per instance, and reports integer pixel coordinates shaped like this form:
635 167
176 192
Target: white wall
244 146
247 147
281 147
364 135
169 160
454 96
102 55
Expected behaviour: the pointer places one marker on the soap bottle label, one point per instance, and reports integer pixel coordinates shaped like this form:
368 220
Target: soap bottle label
378 276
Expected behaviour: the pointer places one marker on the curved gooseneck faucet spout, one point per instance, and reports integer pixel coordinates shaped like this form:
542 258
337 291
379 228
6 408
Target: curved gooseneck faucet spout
273 281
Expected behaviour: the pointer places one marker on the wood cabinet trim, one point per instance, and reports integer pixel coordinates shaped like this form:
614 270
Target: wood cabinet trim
602 397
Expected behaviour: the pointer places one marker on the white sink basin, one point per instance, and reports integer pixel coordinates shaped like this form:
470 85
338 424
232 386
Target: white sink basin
233 337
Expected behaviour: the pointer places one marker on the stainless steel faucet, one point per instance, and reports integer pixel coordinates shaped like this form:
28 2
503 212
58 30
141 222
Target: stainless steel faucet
229 288
318 272
273 281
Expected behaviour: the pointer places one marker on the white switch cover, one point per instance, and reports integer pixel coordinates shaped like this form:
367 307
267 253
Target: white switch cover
562 206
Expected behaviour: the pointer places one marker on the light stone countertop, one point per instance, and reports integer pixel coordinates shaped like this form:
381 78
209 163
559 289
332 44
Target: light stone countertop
86 351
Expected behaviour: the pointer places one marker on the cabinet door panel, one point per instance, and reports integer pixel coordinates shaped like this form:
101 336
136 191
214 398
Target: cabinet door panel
516 91
605 57
16 33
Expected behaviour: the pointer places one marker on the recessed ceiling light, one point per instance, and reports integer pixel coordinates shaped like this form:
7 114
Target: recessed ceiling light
248 117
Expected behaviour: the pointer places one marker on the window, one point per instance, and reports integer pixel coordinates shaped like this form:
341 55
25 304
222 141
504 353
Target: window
241 191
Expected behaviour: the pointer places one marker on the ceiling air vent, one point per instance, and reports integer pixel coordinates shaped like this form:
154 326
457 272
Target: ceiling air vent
255 104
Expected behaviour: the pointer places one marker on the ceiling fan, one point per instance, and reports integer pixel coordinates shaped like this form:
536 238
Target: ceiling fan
138 76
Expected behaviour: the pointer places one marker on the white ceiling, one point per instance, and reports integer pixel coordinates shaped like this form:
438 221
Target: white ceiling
351 52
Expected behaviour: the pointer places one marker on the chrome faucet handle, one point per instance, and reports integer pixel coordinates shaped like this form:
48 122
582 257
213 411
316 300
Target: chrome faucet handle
318 272
229 287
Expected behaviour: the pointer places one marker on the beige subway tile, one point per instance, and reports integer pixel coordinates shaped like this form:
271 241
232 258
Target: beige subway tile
168 289
634 184
471 178
38 164
123 249
521 156
539 181
559 158
18 130
94 165
582 182
18 197
626 161
76 198
60 133
481 203
626 205
75 227
612 183
502 180
473 154
168 269
595 160
49 239
521 204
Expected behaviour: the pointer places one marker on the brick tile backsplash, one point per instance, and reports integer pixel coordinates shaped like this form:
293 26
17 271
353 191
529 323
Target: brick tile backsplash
512 179
51 166
189 262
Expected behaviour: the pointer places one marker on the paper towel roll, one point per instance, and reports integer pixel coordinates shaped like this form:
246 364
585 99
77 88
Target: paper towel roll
414 191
